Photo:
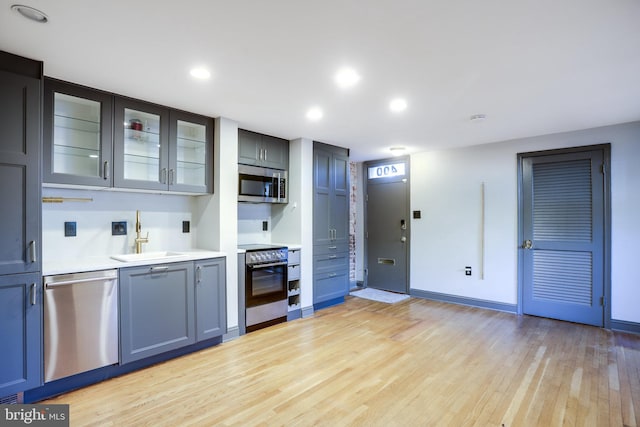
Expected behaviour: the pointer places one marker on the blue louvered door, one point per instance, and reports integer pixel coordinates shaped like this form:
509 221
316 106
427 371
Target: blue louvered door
563 228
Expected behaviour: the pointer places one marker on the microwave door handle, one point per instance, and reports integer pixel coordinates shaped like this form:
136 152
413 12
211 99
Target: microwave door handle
279 197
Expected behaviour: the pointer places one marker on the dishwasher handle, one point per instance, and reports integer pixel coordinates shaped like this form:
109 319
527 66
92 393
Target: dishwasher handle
50 285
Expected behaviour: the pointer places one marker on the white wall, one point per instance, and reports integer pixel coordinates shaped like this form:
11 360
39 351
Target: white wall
216 215
160 215
293 223
445 186
250 218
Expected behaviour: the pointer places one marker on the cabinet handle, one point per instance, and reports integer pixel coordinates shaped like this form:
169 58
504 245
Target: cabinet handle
171 176
159 269
32 251
105 170
278 186
332 275
333 247
34 294
265 154
163 175
333 256
199 274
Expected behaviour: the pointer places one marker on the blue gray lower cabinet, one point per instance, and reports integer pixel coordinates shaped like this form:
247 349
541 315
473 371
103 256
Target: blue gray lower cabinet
20 332
157 306
211 298
169 306
330 277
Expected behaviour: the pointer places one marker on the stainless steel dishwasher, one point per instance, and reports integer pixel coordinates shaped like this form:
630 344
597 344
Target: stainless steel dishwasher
80 322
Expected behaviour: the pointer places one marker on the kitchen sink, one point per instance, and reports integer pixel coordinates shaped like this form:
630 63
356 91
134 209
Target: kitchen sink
149 256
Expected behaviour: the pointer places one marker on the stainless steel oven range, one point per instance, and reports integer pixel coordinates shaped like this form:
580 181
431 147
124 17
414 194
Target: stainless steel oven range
265 285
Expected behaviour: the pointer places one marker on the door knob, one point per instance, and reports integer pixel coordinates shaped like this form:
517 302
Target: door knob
528 244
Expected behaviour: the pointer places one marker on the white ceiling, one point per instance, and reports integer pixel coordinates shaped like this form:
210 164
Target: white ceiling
531 66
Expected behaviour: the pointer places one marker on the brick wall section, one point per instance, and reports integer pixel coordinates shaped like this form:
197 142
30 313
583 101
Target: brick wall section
352 222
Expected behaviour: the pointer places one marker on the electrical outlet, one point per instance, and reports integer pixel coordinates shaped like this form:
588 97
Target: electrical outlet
119 228
186 226
467 271
265 225
70 229
417 214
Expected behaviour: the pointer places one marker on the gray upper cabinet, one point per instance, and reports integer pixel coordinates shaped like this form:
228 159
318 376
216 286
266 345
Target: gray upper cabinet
156 148
211 299
330 222
190 152
330 198
262 150
20 145
141 145
77 135
94 138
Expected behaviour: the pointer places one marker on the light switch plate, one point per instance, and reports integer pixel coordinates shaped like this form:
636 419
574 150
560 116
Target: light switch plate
119 228
70 229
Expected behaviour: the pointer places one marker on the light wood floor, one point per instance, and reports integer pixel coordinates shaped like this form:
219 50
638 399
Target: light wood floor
415 363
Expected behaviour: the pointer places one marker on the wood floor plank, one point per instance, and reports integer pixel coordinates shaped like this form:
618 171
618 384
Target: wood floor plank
364 363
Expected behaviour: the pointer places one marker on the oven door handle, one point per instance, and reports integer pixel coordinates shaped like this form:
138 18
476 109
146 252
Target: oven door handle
273 264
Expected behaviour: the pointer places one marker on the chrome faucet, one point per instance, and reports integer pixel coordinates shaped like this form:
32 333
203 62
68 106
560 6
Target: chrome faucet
140 240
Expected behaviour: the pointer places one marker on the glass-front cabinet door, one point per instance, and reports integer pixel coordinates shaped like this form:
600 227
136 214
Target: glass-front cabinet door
141 145
191 154
77 135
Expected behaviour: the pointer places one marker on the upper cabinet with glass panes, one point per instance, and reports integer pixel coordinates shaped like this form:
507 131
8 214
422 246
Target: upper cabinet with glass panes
151 147
77 135
156 148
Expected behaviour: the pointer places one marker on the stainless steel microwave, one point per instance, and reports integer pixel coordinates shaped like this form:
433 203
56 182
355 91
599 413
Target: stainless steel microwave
261 185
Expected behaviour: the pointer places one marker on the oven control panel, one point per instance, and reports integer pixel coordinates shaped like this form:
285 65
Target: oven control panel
267 256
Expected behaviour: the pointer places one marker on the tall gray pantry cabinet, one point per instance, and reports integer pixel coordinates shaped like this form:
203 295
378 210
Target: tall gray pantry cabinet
20 248
330 224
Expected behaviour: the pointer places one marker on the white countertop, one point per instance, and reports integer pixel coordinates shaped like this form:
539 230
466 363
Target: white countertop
50 267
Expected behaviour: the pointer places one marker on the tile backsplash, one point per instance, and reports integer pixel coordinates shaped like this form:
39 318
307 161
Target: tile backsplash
160 215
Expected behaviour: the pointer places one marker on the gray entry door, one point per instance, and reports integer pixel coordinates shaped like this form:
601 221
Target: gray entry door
387 226
563 236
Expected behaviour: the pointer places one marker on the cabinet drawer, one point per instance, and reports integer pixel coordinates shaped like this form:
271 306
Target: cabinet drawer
330 248
331 263
294 272
294 257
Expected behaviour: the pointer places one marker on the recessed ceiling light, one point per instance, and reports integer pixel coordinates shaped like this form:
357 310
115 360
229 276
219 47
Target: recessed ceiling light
200 73
477 118
30 13
347 77
397 105
314 114
397 151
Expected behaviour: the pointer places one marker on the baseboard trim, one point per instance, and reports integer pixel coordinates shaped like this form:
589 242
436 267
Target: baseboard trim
294 315
472 302
625 326
324 304
307 311
232 333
